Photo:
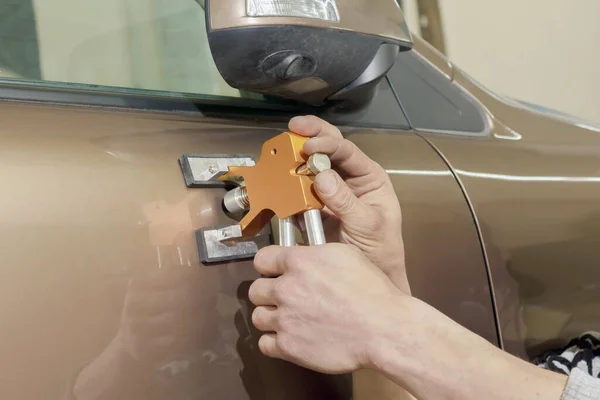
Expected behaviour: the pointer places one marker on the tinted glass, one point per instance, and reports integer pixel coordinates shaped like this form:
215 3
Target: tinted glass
431 101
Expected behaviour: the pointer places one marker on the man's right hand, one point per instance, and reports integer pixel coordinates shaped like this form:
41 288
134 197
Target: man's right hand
361 205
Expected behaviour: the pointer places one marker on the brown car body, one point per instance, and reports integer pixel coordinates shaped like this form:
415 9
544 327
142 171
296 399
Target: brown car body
103 296
355 16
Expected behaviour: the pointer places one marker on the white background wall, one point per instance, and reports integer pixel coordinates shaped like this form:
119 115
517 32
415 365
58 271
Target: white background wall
543 51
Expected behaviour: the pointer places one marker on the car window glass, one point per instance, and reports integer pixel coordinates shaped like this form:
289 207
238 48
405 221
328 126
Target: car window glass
431 101
136 54
155 45
383 112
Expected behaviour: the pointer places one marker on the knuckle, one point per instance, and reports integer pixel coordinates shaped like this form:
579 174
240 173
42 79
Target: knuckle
346 202
329 145
342 151
286 345
286 321
378 169
256 317
292 259
347 144
380 177
280 291
252 295
260 259
348 148
289 292
256 291
326 127
266 346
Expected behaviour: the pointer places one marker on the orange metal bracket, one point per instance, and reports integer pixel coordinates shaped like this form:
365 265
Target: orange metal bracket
274 187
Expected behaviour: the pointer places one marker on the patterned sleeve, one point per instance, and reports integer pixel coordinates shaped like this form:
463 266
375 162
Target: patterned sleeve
580 360
581 386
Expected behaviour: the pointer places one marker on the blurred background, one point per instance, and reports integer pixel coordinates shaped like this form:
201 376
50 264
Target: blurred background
541 51
545 52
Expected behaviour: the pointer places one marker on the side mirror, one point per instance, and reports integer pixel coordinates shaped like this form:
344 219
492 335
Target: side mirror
312 51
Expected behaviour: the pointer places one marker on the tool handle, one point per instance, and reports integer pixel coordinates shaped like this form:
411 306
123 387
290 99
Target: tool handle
314 227
287 232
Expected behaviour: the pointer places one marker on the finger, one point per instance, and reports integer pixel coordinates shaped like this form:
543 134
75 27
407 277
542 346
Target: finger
261 292
269 347
311 126
269 261
339 198
265 318
346 157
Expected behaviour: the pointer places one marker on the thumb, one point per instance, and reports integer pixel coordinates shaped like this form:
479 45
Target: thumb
338 197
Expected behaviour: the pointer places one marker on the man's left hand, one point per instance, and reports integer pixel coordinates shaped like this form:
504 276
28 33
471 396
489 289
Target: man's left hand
319 305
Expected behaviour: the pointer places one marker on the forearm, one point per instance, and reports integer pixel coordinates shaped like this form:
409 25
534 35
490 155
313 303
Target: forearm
435 358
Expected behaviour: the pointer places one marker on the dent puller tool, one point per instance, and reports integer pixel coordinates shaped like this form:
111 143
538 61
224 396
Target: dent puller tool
280 184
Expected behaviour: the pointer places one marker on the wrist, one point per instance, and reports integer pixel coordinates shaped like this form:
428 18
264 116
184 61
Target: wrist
387 333
393 264
433 357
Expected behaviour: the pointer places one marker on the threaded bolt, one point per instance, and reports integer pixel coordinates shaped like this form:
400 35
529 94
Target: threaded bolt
237 200
242 194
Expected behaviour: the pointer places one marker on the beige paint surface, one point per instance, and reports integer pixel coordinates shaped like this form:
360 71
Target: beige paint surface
541 51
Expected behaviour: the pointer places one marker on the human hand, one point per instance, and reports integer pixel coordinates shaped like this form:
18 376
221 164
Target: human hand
329 309
361 207
320 305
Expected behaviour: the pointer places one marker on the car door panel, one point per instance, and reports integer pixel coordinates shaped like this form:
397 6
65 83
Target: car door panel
441 242
533 184
102 292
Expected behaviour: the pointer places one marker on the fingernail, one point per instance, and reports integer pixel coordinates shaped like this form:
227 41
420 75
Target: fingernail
326 182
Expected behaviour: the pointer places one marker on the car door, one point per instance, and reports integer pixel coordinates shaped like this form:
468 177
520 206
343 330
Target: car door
531 177
532 181
103 294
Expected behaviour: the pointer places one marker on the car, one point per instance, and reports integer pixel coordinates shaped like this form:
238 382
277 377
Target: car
103 294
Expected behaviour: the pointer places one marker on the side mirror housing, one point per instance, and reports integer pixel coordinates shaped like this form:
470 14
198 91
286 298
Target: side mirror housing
312 51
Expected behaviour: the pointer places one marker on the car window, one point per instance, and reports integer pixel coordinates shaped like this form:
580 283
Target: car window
145 53
431 101
155 45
